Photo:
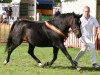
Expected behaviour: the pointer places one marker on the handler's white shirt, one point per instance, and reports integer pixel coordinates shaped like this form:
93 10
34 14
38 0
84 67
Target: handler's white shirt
87 25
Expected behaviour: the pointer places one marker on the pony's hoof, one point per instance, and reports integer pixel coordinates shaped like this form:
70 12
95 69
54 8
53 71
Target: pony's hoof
5 62
78 68
40 64
47 64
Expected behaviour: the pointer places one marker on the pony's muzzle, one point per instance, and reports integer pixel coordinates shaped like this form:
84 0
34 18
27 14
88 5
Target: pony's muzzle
79 35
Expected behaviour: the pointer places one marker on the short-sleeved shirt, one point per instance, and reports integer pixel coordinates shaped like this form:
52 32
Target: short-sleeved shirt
87 25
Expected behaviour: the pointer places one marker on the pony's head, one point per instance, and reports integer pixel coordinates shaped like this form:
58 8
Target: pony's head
74 23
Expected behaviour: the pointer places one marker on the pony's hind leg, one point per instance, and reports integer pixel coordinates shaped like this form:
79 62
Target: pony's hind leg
31 52
10 50
55 53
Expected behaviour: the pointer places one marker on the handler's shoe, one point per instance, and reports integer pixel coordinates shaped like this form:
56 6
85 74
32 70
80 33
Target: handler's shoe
77 67
75 63
96 66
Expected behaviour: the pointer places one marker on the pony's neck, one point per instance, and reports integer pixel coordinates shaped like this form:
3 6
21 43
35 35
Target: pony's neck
61 25
58 23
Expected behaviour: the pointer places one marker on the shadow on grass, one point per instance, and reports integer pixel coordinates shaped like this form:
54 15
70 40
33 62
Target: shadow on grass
89 69
83 69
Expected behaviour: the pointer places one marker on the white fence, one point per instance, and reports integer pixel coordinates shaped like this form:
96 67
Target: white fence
72 41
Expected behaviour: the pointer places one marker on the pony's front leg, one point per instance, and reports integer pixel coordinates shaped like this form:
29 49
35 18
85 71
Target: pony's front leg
31 52
65 52
55 53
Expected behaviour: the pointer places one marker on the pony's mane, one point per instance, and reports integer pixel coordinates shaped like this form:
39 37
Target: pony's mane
67 14
61 17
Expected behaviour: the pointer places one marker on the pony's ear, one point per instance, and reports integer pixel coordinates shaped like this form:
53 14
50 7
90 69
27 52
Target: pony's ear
79 16
73 12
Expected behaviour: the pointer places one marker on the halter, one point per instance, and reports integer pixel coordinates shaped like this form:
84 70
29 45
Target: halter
55 30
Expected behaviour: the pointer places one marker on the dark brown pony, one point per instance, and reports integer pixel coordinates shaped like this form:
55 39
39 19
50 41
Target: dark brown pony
38 34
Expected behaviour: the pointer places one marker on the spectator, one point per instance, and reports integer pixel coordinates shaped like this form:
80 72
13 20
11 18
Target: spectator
57 12
9 13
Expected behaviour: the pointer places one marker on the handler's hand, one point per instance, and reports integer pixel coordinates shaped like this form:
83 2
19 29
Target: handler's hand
98 32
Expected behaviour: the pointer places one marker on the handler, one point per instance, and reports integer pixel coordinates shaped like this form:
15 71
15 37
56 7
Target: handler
87 24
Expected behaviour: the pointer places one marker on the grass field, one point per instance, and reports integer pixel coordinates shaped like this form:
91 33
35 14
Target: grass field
22 64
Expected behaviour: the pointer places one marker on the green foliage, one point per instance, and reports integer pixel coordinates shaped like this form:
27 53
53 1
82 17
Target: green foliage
5 1
21 62
56 1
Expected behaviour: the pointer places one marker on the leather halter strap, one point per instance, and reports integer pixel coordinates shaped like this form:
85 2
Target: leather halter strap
55 30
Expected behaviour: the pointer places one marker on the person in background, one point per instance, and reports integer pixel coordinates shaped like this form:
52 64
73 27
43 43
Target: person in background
87 24
57 12
9 13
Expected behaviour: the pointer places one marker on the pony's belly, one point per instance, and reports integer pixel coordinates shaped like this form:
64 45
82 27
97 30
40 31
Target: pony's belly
44 45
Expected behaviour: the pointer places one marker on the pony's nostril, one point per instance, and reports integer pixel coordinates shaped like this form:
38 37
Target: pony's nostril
79 35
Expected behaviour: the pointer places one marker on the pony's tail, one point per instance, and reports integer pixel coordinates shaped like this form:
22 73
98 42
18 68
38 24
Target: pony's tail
9 40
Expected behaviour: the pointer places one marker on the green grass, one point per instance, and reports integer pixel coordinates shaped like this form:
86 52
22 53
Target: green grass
22 64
